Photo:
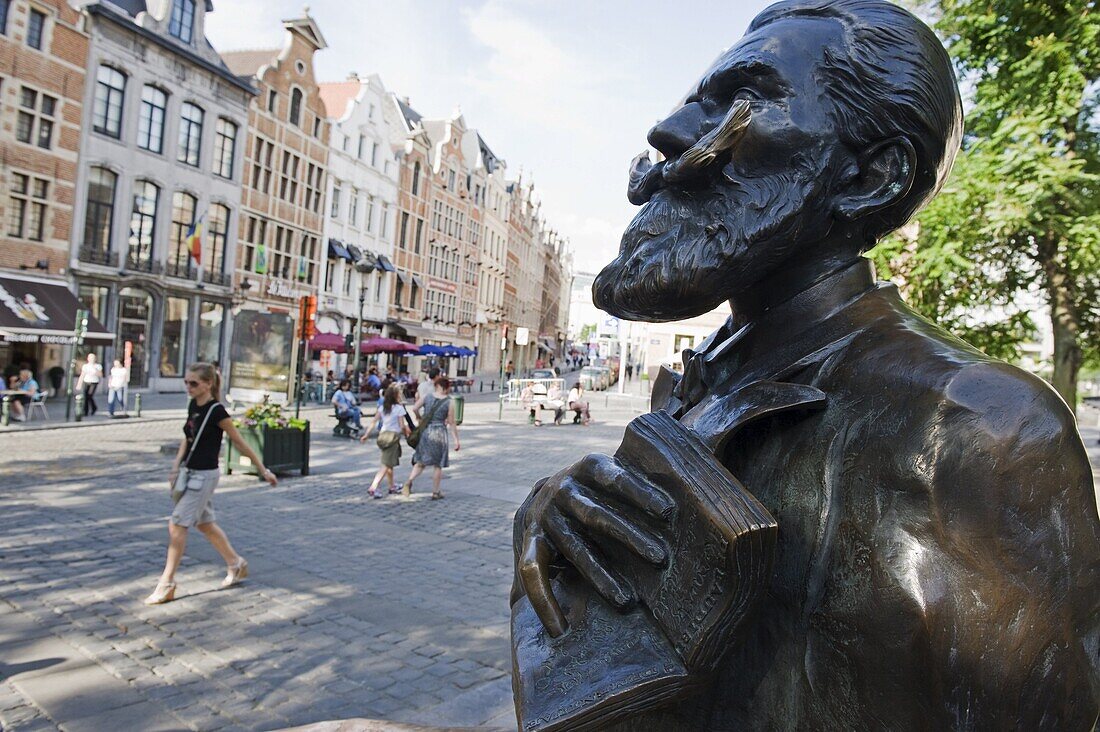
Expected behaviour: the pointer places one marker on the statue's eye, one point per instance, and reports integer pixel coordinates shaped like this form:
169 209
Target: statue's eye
749 95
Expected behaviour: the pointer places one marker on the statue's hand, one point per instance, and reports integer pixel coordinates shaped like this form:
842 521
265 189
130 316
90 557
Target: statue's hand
569 516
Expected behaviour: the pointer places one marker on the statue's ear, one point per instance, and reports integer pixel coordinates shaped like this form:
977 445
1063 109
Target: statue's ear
885 175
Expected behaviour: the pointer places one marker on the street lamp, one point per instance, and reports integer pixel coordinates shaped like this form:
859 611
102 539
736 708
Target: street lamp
363 267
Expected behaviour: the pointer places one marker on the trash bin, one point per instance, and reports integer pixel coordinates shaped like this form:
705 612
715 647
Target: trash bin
459 407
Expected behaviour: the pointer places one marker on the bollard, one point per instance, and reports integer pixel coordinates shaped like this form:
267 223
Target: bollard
5 412
79 407
137 404
492 386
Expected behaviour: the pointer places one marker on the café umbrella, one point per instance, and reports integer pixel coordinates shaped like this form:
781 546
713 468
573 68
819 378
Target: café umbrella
379 344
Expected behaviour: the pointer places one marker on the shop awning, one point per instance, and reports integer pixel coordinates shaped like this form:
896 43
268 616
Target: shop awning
336 248
40 311
354 254
417 282
403 277
384 264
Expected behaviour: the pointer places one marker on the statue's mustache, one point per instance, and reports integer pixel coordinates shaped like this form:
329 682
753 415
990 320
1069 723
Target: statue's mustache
646 178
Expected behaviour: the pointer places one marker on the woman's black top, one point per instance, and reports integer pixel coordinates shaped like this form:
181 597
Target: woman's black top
205 456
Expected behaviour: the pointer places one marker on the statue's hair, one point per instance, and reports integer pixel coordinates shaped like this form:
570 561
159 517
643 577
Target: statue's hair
894 78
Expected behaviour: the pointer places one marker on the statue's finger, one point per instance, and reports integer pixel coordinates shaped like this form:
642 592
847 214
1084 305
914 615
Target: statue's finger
534 572
575 500
580 555
612 478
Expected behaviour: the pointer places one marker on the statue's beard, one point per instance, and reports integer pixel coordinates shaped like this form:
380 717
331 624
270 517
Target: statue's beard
687 251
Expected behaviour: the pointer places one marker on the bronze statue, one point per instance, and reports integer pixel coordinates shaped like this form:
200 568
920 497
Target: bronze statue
840 517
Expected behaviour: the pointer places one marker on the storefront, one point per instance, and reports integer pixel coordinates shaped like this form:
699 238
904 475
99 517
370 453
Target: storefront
161 329
37 323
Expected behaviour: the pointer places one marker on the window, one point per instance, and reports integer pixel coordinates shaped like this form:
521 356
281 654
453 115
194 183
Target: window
100 210
190 140
369 223
110 88
374 155
143 224
211 318
213 250
451 179
383 229
313 188
225 147
416 179
296 107
335 212
183 218
345 145
419 234
288 178
402 238
34 124
183 19
353 208
27 207
173 337
35 26
4 5
272 100
317 128
362 145
154 102
262 168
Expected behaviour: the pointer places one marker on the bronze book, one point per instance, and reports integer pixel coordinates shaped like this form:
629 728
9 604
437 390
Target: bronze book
610 665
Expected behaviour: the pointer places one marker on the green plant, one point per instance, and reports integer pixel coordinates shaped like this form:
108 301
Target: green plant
268 414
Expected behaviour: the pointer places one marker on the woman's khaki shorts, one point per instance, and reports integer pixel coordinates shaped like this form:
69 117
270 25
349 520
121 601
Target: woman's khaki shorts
197 505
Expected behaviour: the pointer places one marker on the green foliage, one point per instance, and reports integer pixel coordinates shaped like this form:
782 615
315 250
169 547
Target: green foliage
1019 220
268 414
588 332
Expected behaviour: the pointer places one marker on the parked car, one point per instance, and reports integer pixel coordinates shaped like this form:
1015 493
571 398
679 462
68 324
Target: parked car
544 374
595 378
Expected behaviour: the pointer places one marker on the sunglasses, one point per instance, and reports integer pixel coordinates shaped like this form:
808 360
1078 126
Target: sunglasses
192 384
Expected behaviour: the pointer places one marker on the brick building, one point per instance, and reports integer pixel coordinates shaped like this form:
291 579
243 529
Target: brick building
283 198
43 50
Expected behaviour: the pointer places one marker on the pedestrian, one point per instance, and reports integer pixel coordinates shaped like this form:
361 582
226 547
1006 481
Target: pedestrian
390 419
197 460
27 387
372 388
345 404
425 388
116 387
576 403
629 371
91 373
433 448
509 369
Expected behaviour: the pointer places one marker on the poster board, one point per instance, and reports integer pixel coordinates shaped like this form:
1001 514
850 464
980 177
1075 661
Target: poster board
261 357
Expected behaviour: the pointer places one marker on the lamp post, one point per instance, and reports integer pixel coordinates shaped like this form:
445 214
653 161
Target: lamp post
363 268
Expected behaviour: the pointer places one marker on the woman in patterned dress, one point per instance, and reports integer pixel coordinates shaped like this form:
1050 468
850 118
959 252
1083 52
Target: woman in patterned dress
433 448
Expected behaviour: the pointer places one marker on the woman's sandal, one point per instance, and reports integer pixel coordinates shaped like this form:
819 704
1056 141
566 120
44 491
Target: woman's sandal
235 574
165 592
437 496
407 489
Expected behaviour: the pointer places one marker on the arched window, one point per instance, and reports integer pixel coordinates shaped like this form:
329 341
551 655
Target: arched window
100 210
154 102
225 147
110 90
183 19
183 218
190 140
143 224
296 107
416 178
213 250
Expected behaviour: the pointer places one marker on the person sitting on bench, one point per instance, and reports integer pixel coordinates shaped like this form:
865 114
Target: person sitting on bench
577 404
344 401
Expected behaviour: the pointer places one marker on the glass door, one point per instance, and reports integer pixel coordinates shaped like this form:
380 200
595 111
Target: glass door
135 306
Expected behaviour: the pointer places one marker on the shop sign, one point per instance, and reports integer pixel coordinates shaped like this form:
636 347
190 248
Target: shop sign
278 288
442 285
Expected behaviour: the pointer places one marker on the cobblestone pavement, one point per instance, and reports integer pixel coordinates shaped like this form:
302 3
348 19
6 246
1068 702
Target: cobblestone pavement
389 609
392 609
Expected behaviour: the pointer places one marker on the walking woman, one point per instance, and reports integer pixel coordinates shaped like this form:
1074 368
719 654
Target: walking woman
391 415
198 454
432 450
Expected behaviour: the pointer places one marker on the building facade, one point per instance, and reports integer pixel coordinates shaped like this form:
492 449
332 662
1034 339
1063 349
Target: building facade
281 255
492 197
362 213
523 281
161 162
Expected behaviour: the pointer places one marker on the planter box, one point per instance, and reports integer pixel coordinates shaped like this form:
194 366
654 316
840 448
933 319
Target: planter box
281 449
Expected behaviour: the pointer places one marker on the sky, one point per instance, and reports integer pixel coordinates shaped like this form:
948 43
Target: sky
564 90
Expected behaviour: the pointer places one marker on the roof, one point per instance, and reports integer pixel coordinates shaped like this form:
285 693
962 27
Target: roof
130 7
412 117
491 160
336 94
247 63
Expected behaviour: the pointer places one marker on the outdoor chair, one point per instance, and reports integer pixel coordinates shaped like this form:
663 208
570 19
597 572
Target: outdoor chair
38 401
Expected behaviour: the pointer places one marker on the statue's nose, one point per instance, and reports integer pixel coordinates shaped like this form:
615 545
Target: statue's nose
679 131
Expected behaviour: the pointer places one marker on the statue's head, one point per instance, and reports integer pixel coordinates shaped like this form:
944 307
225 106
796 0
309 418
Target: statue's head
824 128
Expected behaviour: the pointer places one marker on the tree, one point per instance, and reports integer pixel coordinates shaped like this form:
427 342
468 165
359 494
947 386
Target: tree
1019 219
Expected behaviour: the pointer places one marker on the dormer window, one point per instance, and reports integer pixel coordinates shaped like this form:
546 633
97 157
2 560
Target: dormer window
183 19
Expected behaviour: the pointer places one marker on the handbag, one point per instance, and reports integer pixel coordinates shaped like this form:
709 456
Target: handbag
414 437
180 486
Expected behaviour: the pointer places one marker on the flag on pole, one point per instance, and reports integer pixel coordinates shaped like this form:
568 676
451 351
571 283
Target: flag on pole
261 259
194 240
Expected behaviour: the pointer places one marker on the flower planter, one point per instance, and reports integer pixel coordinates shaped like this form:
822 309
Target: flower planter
281 448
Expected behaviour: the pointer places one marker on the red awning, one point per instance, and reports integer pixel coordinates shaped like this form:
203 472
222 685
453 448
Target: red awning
328 342
387 345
